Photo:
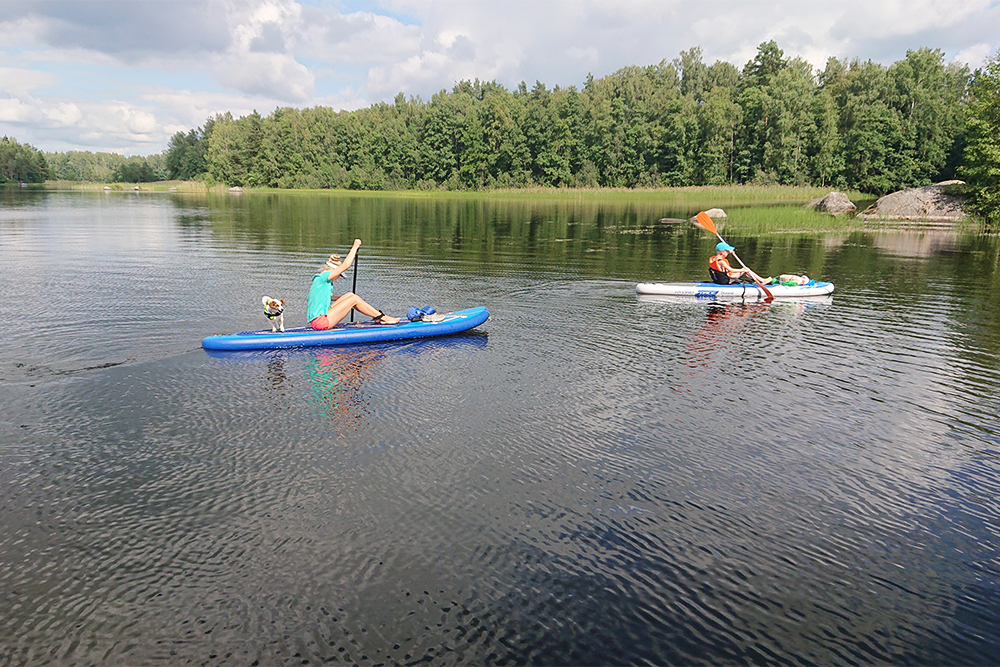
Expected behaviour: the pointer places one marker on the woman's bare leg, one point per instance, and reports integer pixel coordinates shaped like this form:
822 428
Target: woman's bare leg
343 305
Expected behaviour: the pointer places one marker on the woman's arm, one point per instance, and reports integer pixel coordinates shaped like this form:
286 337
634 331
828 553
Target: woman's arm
346 264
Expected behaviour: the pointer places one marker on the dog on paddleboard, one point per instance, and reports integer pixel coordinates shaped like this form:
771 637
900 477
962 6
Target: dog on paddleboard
274 310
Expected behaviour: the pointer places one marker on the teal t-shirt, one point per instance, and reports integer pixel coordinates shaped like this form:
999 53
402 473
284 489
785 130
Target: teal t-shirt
320 293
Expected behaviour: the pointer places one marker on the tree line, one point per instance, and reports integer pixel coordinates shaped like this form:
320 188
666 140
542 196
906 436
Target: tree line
855 125
107 167
26 164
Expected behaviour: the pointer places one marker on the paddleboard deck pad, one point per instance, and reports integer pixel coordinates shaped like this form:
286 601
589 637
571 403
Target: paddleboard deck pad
740 291
349 333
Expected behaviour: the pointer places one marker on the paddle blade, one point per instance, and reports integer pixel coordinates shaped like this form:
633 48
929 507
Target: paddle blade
704 221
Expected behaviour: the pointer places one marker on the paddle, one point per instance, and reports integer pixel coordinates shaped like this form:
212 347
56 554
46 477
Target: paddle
705 222
354 287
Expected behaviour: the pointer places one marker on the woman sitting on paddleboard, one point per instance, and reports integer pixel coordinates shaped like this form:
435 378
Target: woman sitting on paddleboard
723 274
324 309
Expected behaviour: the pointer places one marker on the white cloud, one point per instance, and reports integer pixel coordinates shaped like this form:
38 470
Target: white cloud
267 74
63 114
18 81
257 61
974 56
357 38
905 17
90 73
14 111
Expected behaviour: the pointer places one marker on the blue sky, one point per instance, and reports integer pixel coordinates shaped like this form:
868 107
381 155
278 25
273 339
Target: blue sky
125 75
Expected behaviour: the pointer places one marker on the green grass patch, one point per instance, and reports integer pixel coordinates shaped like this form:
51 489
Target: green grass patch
686 197
784 220
696 197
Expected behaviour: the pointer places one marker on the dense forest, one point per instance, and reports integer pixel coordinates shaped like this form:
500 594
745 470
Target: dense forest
981 167
107 167
26 164
854 125
20 163
857 125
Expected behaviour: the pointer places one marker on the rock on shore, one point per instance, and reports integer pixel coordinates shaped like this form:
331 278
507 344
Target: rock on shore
931 203
835 203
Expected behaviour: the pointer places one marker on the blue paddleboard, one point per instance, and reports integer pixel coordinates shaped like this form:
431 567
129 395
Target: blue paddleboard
350 333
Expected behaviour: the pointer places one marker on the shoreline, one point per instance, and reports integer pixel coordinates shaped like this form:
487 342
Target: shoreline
731 194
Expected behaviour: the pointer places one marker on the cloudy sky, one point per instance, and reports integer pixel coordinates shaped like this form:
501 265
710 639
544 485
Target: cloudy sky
125 75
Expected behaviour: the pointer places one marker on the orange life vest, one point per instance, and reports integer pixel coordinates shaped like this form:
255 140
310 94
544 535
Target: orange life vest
719 264
719 269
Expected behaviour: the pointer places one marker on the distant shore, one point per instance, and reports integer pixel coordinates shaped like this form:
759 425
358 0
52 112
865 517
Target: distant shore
719 195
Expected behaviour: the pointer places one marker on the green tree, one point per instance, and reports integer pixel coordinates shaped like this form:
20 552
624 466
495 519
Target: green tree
857 124
758 109
876 152
765 65
982 152
507 154
84 166
874 149
135 169
21 163
185 158
718 120
828 147
789 136
929 97
695 77
233 149
441 135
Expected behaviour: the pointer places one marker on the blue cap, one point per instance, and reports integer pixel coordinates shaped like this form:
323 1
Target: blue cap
723 246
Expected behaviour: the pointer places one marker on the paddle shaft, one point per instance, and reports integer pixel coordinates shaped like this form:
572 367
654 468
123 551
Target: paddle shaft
756 278
354 287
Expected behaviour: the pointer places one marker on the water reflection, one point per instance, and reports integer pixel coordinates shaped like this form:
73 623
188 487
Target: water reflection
278 383
725 324
336 382
335 377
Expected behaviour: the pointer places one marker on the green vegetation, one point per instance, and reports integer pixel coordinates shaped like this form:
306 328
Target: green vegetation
776 129
186 153
855 125
21 163
84 166
982 154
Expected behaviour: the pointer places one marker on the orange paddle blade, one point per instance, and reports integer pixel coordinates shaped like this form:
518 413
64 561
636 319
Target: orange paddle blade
705 221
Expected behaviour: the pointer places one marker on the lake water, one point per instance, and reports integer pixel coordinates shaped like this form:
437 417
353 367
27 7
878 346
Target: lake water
590 477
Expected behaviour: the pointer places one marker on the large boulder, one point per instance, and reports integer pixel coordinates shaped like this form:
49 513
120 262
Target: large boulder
713 213
834 203
931 203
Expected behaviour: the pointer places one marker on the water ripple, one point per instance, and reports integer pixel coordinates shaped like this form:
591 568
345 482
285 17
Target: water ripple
589 478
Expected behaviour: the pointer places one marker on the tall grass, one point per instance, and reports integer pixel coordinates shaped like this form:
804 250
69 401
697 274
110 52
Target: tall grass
784 220
709 196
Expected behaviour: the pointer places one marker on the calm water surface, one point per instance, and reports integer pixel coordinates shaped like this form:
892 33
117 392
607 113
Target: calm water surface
588 478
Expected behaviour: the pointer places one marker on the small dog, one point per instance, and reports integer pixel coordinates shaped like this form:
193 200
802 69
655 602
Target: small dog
273 310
